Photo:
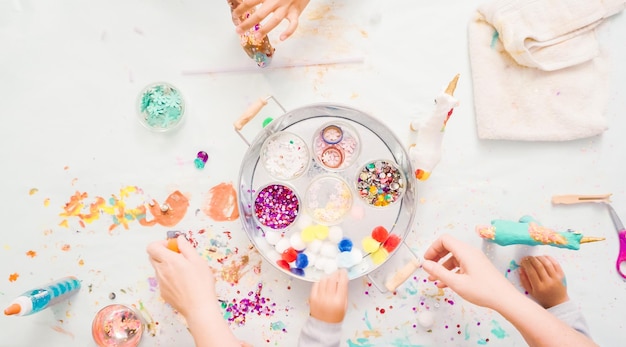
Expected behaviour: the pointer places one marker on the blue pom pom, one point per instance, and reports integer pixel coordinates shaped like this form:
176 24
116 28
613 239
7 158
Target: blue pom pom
296 271
302 261
345 245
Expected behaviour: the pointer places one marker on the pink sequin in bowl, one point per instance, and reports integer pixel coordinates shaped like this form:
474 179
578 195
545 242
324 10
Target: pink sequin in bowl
336 145
327 199
117 326
380 183
276 206
285 155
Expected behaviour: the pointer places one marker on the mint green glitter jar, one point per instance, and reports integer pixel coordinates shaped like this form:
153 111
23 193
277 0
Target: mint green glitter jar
161 107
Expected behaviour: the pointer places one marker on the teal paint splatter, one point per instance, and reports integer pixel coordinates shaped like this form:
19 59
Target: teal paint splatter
494 38
367 322
360 342
481 342
467 333
512 267
411 289
278 326
497 330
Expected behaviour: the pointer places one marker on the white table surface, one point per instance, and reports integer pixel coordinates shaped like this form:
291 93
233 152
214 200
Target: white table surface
70 74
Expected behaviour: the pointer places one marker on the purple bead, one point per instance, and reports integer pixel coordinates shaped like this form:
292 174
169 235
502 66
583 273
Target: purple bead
345 245
202 155
302 261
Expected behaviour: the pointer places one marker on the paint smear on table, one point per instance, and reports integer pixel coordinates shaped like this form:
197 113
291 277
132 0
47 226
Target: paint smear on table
280 326
13 277
31 253
170 213
512 267
33 191
221 203
59 329
497 330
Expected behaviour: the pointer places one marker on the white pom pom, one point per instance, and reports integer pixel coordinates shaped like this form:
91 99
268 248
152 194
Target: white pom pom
282 245
329 250
296 242
315 246
272 237
426 319
335 234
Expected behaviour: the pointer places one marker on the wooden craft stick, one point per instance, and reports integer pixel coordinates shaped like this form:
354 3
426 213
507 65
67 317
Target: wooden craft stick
577 199
401 275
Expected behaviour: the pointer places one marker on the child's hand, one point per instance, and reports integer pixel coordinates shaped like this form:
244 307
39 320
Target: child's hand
467 271
544 280
278 9
329 297
185 279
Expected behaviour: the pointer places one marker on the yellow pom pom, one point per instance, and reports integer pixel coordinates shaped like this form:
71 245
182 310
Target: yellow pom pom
380 256
308 233
321 232
370 245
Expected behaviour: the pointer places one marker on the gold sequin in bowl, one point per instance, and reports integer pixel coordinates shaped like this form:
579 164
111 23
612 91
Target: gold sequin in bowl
328 199
160 107
117 326
285 155
329 205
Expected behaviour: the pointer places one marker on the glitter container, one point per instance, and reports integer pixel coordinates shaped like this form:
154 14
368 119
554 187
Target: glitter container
160 107
285 155
276 206
327 199
117 326
380 183
336 145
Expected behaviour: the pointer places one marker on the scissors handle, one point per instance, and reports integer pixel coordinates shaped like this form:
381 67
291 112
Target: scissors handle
621 257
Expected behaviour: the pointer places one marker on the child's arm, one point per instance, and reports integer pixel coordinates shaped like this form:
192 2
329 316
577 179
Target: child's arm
186 282
471 275
328 302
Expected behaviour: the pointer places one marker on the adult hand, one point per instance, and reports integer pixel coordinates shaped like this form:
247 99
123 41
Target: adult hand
466 270
278 9
329 297
185 279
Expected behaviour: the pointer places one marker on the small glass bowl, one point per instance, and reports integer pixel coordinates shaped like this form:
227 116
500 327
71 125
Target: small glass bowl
336 145
117 326
276 206
285 155
160 107
380 183
328 199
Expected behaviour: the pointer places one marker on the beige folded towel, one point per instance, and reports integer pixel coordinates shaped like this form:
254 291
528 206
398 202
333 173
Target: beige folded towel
538 72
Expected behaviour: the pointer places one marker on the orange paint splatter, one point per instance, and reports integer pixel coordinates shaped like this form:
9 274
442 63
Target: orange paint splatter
81 262
74 181
64 224
62 331
46 202
168 214
221 203
31 253
47 232
33 191
13 277
66 247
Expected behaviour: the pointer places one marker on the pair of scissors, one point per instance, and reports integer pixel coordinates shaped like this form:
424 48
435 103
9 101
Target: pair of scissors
621 235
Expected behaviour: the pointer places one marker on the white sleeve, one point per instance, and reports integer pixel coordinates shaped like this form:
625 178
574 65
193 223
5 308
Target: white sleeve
316 333
570 313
